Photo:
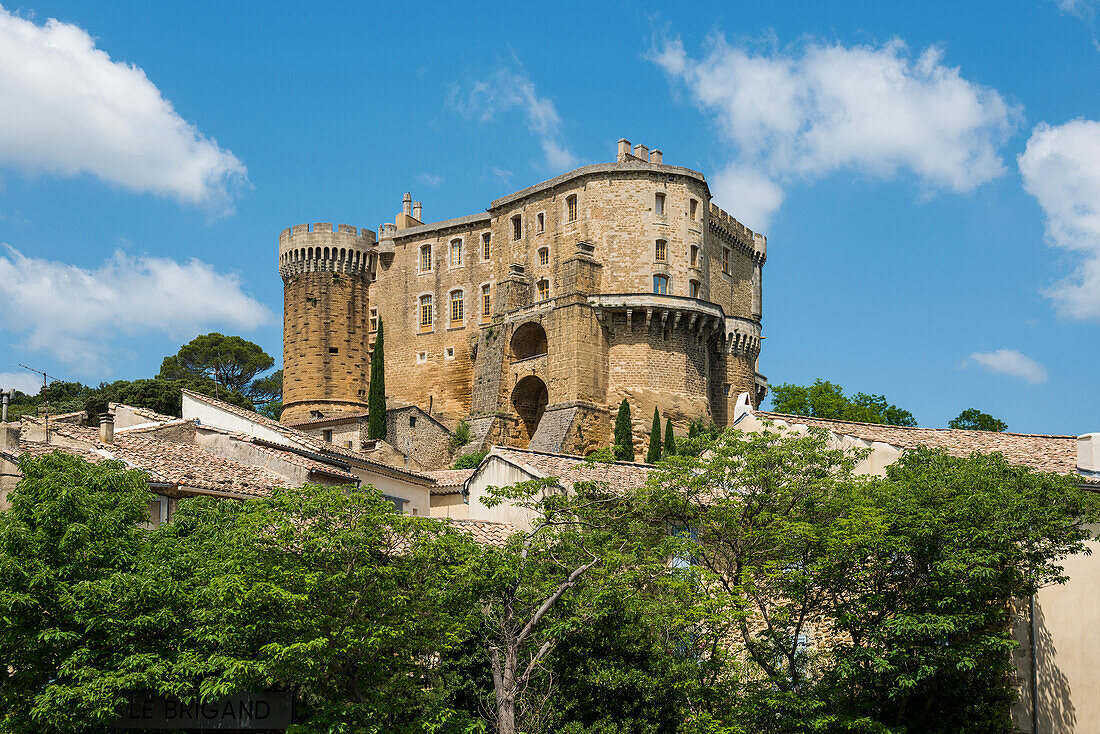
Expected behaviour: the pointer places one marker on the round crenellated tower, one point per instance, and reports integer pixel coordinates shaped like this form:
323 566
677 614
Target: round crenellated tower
326 319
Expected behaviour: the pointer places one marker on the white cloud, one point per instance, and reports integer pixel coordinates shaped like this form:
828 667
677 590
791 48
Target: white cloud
69 109
506 90
74 313
24 382
1061 168
429 179
1080 8
1012 363
803 114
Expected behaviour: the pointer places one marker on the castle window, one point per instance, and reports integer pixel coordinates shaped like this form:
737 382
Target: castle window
695 256
421 357
425 313
456 308
544 290
660 252
571 208
693 288
659 205
449 353
486 249
374 319
412 421
327 435
693 209
426 259
726 260
456 253
486 302
660 284
540 222
334 350
517 227
544 256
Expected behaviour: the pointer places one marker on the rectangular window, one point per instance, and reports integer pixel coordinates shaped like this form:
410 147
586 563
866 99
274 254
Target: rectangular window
694 256
659 205
425 313
327 435
421 357
693 289
456 253
726 260
449 353
544 256
660 253
486 249
456 308
571 208
374 319
517 227
544 290
694 209
540 222
660 284
486 303
426 259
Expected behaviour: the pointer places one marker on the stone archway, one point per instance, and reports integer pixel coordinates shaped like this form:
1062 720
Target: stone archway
529 340
529 399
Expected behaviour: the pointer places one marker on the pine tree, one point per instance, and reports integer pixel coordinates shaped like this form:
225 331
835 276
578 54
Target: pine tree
653 455
670 439
376 401
624 433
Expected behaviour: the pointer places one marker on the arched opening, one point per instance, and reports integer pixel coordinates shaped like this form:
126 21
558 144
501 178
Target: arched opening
528 341
529 398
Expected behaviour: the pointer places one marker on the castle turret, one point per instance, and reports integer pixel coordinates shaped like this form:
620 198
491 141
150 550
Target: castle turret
326 319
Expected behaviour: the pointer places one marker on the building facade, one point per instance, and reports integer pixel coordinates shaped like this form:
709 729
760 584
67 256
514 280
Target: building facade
534 319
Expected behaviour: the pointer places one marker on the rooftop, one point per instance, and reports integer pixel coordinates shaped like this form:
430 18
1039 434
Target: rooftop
616 475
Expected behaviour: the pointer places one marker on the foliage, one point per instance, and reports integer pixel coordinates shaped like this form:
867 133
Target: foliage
160 395
272 410
267 389
63 397
624 433
461 436
973 419
670 439
376 399
827 400
653 454
470 461
228 360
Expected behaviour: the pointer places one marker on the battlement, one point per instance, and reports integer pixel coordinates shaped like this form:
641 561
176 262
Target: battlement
306 248
754 243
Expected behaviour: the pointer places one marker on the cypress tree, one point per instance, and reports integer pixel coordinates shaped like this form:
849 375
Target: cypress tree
624 435
376 400
653 455
670 439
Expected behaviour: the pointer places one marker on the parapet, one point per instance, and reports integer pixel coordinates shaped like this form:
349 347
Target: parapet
753 243
321 247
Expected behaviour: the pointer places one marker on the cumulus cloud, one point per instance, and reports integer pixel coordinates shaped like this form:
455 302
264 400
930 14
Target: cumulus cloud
68 109
508 89
1012 363
74 313
1061 168
803 114
24 382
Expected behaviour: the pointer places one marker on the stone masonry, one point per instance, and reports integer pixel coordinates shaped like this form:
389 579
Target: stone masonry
534 319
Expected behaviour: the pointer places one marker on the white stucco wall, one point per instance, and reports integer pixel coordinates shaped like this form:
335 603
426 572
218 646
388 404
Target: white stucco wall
498 473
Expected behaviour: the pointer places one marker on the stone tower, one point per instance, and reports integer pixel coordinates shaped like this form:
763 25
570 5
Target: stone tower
326 280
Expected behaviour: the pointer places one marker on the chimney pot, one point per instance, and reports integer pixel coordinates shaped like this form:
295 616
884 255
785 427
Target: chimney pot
656 156
1088 453
641 151
624 149
406 203
416 211
107 428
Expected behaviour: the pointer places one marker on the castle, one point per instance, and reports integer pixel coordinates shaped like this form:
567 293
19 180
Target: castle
534 319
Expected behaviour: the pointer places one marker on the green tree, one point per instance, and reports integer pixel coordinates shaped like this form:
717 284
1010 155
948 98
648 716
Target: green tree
670 439
827 400
160 395
973 419
229 360
376 400
470 461
624 433
653 454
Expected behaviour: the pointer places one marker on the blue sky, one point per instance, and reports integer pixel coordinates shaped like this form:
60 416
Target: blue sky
928 175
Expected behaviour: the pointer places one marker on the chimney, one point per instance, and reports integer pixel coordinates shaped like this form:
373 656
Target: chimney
640 151
1088 453
416 211
107 428
9 437
406 203
656 156
624 149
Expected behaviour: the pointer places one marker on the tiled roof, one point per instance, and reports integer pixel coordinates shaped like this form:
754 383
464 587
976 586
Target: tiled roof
339 418
449 481
616 475
153 427
150 415
1052 453
485 532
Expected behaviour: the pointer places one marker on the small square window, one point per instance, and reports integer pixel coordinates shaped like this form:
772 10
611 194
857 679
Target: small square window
449 353
327 435
421 357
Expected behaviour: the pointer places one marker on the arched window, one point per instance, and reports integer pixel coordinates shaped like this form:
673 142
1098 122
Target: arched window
660 284
456 308
660 251
426 259
544 256
486 302
426 313
544 290
571 208
456 253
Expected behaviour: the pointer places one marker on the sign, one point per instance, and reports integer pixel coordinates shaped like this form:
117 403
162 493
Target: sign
242 712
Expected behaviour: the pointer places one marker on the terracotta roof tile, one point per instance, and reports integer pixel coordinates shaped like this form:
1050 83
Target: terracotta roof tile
485 532
449 481
617 475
